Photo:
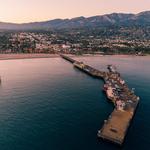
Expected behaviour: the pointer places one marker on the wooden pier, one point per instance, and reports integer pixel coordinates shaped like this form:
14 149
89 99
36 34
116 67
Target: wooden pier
125 102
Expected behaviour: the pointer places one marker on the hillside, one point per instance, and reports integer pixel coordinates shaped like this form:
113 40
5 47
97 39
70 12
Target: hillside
114 19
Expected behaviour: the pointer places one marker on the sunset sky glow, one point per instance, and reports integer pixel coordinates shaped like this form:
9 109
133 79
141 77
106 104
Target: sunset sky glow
20 11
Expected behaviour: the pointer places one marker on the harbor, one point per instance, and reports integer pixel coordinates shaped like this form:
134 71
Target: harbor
124 99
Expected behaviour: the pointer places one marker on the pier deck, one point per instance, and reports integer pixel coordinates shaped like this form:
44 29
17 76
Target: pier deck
115 128
124 100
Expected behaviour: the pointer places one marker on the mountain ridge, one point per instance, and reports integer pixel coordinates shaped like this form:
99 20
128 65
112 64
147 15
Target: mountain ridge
113 19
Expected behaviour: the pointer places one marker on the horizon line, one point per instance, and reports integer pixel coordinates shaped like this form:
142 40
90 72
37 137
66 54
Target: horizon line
19 23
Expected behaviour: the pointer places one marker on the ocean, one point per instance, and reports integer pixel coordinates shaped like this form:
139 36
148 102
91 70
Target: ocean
47 104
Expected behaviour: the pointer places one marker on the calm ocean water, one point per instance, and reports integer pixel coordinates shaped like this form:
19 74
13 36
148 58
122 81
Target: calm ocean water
46 104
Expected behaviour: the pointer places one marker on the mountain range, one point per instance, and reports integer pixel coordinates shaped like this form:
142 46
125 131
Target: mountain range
114 19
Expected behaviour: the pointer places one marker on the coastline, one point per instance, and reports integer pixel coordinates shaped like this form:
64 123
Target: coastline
115 55
41 55
26 56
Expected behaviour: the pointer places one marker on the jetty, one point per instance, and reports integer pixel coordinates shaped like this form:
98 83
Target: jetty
125 101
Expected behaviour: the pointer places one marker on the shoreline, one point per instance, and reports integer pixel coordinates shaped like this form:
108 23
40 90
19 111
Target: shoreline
40 55
115 55
26 56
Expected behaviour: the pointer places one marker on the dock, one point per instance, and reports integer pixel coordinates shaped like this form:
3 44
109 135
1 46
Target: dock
125 101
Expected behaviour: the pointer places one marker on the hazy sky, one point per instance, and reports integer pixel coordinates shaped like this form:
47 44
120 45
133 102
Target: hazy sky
38 10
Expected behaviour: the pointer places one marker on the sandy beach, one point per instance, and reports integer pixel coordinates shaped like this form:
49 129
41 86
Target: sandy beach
26 56
33 56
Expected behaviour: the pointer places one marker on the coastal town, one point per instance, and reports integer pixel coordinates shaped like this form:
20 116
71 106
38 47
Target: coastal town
75 42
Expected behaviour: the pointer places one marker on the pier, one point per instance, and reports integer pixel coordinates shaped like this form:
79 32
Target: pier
125 101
